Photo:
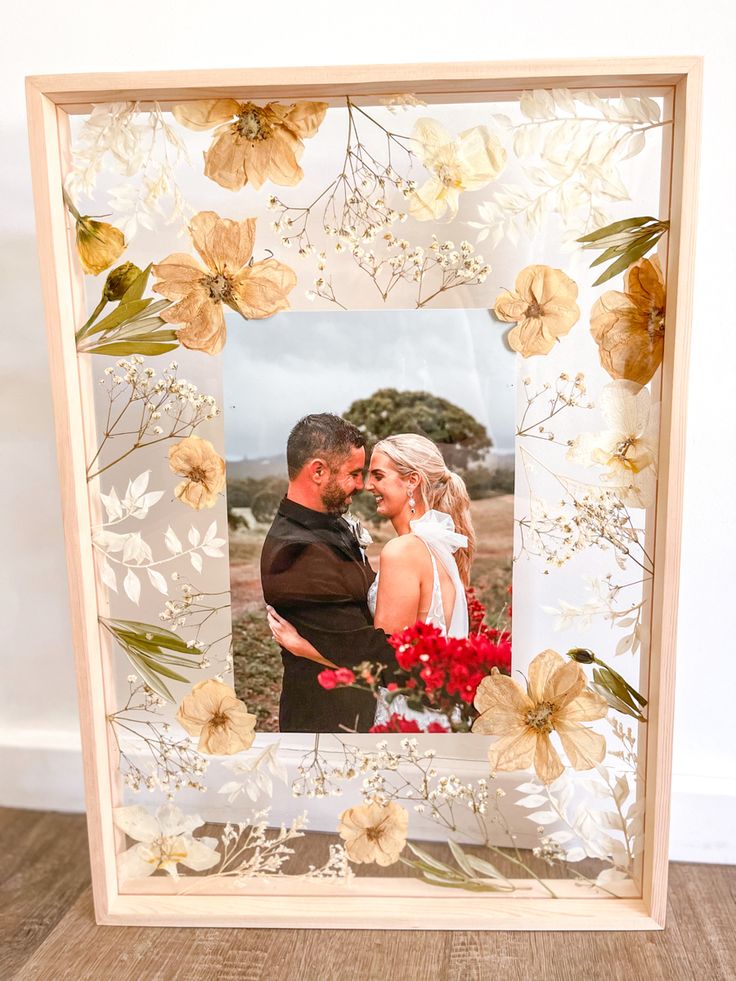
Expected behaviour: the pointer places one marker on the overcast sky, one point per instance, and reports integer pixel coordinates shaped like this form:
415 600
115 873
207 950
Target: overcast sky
282 368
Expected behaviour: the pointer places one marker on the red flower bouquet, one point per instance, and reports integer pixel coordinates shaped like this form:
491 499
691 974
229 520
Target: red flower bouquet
435 672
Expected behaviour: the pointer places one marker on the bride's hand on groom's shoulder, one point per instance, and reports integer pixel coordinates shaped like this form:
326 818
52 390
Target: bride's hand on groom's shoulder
287 636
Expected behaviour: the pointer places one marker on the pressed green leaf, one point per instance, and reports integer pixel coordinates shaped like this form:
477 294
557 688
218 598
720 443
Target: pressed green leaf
472 885
132 347
634 243
122 312
459 856
159 635
623 263
136 288
160 669
613 228
485 868
431 862
152 680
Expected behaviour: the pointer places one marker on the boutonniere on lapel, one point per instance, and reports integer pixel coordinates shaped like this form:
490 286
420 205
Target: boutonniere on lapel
362 536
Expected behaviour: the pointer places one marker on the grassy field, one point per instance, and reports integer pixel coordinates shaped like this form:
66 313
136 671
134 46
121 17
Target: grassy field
257 661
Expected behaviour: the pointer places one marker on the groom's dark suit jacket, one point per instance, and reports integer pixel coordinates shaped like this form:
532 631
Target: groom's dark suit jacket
314 575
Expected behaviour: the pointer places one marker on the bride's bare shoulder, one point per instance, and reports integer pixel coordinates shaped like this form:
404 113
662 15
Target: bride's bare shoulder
404 550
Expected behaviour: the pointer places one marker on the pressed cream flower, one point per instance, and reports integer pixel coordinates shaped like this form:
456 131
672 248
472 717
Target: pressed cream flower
204 469
628 448
255 290
374 832
464 163
162 841
253 144
557 698
543 307
628 327
214 713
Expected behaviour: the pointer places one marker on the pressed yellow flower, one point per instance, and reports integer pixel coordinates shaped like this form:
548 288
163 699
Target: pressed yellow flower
374 832
214 713
557 698
253 144
255 291
99 244
543 307
464 163
204 469
628 327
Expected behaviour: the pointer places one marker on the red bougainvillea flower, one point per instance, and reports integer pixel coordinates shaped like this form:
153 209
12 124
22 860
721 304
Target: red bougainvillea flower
399 723
330 679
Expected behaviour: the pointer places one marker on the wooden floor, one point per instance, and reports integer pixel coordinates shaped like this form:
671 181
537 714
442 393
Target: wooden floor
48 933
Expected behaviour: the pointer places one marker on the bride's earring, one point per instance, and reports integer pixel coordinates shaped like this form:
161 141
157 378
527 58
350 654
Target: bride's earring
412 502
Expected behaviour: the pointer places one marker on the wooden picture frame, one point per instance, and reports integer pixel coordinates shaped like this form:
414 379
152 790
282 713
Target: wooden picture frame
377 903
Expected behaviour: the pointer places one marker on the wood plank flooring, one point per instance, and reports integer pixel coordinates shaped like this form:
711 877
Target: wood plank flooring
48 933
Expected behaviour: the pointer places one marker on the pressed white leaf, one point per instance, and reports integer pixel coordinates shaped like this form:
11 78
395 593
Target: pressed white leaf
138 486
210 533
531 787
196 560
651 109
636 826
536 800
625 644
112 505
522 142
621 790
109 541
136 549
634 143
626 622
544 817
575 855
193 536
214 553
503 121
172 542
229 787
563 99
107 574
561 837
609 819
139 509
636 808
158 581
132 586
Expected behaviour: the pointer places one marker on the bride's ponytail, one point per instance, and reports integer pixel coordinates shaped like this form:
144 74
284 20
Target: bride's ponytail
440 488
452 497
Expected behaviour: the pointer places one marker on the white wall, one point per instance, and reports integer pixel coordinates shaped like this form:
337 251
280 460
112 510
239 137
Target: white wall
39 756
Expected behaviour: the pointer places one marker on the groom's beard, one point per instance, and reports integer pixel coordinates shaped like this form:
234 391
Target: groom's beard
334 498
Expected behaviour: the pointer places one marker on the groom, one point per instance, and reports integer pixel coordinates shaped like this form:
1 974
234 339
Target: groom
315 575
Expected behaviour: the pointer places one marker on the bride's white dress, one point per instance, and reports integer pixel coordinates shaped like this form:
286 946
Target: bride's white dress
437 530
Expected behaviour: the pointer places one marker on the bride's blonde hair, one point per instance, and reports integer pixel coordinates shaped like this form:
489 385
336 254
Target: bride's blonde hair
440 488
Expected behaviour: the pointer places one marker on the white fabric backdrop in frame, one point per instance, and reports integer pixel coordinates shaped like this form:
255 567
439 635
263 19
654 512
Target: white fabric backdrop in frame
466 252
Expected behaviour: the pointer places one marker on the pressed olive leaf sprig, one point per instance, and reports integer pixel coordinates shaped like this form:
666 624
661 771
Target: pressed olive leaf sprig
134 326
624 242
154 652
616 690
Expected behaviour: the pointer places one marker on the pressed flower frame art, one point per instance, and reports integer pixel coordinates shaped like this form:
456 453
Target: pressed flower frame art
200 231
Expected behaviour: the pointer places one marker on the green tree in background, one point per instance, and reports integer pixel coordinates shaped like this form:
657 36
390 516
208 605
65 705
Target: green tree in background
461 438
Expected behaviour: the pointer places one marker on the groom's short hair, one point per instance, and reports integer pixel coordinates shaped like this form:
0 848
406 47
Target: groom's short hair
321 434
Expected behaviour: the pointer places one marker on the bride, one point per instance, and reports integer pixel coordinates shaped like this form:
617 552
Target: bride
423 570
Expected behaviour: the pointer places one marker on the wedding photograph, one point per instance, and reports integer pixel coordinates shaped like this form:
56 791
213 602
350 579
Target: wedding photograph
370 501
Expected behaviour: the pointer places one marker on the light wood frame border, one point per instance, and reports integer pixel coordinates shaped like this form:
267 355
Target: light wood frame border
50 101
